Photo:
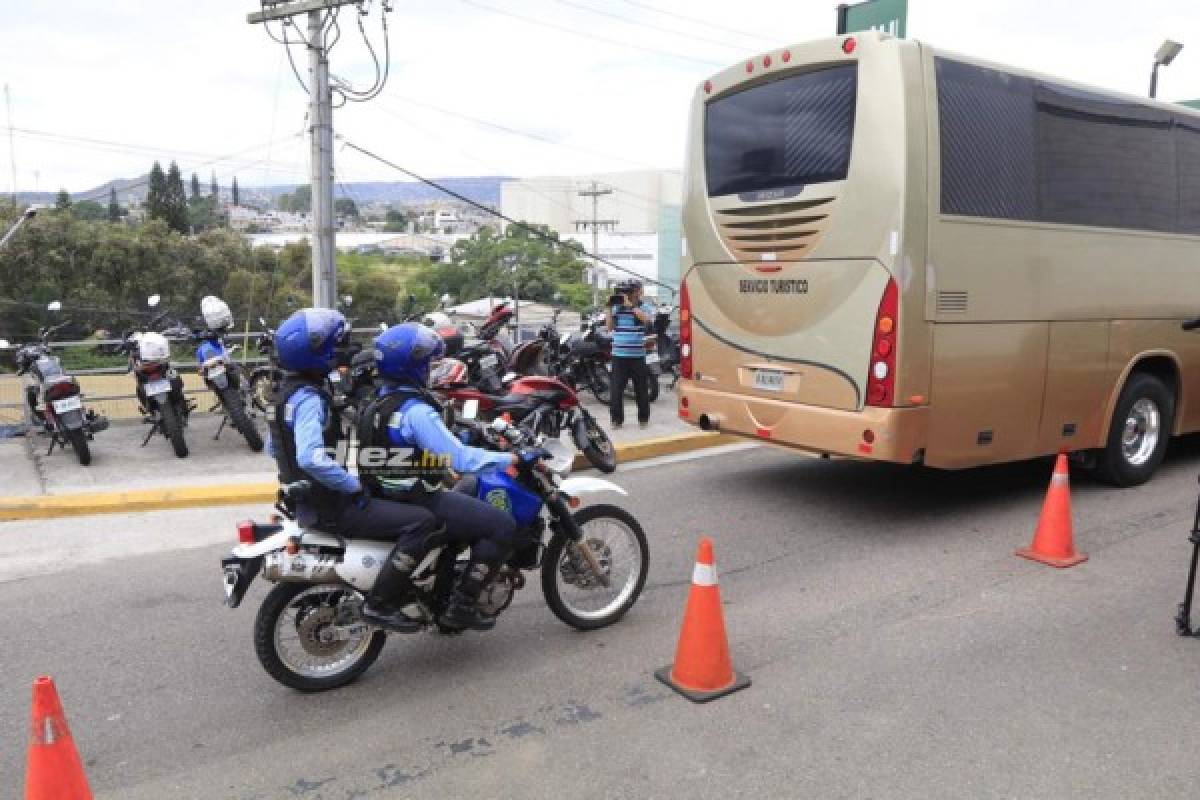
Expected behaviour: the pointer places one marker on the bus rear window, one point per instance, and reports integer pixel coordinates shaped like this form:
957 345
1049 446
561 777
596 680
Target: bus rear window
781 135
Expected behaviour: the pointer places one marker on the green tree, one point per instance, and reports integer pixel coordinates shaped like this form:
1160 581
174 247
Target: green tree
395 221
195 186
346 207
284 202
235 191
156 193
214 190
176 205
89 210
302 199
63 201
114 210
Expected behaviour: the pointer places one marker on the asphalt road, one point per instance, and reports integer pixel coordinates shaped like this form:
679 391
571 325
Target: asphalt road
897 649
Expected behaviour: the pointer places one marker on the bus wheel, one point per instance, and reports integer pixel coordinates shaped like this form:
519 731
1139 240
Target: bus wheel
1137 438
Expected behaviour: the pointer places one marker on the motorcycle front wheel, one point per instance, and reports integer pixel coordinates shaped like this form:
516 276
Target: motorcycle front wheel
173 427
79 443
235 406
295 642
593 442
572 590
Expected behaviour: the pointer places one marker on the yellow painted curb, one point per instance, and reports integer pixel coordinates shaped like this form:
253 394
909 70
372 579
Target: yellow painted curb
77 505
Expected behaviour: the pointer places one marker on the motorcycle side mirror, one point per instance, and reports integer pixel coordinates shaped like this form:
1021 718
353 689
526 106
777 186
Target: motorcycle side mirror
55 305
153 300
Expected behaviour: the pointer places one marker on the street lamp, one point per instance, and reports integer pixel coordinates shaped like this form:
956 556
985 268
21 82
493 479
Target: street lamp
1163 58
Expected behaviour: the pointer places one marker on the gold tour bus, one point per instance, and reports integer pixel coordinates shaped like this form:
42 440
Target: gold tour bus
901 254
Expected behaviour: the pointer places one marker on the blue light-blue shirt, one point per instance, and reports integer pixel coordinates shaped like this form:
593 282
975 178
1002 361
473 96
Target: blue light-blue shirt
629 333
305 415
421 426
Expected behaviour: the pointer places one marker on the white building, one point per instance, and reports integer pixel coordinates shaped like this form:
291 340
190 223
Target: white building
636 253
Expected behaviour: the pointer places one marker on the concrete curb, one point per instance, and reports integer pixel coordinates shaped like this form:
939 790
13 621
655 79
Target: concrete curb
87 504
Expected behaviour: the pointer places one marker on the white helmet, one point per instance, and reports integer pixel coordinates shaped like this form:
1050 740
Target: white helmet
217 315
436 320
153 347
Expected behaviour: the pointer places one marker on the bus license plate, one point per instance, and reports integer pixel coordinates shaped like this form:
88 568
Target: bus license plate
158 387
768 379
68 404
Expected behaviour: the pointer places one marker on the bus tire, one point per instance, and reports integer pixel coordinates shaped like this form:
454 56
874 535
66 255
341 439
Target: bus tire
1137 438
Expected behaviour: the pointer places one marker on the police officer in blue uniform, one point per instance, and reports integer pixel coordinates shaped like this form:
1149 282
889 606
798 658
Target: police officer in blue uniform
304 435
628 320
405 414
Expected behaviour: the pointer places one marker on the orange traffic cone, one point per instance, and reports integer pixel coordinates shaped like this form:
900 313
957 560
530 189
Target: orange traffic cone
1052 543
702 670
53 770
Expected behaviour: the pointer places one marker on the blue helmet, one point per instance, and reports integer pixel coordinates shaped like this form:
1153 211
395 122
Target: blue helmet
305 341
405 351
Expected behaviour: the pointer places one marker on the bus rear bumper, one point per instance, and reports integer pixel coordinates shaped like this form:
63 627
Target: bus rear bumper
883 434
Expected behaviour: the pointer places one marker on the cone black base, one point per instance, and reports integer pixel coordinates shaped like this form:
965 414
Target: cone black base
740 681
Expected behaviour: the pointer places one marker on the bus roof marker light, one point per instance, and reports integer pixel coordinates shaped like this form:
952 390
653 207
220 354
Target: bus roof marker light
849 45
766 61
787 56
708 87
749 66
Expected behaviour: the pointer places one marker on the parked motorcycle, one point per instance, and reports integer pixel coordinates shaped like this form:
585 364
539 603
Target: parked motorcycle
54 397
309 633
221 373
540 405
487 358
159 387
667 343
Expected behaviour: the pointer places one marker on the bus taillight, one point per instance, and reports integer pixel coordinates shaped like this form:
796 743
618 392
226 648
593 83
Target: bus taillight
881 377
685 332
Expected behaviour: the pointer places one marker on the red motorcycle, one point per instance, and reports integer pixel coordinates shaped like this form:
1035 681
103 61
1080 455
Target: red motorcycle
538 404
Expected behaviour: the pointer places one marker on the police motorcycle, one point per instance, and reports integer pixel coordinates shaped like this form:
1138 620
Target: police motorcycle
54 397
309 633
161 400
221 373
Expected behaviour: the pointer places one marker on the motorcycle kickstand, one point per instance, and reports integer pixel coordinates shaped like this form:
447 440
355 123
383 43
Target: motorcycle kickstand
150 434
54 440
1183 620
221 427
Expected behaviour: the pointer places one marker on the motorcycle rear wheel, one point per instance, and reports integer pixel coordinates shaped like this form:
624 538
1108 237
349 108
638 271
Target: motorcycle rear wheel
79 443
618 542
306 599
601 382
173 427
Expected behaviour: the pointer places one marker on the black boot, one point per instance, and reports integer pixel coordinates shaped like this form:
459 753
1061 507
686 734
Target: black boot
392 588
463 609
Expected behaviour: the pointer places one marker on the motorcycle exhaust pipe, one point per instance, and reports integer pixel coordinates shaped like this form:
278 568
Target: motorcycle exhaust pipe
278 567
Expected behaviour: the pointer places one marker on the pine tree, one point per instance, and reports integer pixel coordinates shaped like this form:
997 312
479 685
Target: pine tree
216 190
63 201
195 187
176 206
235 190
114 210
156 193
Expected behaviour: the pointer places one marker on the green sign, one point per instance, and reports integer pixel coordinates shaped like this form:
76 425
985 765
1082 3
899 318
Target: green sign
889 16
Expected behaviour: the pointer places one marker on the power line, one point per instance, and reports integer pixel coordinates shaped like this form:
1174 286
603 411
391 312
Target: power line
697 21
574 247
596 37
648 25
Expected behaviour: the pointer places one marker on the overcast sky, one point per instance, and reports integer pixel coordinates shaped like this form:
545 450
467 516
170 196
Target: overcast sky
585 91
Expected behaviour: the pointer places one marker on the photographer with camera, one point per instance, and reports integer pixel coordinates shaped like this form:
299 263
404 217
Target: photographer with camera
628 317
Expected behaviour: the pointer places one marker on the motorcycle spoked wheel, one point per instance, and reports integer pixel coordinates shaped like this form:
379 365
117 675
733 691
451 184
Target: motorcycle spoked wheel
594 442
617 541
601 380
307 611
172 427
235 406
260 390
78 439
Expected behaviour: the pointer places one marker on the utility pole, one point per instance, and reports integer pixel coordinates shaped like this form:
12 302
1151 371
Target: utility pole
594 223
12 151
320 119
